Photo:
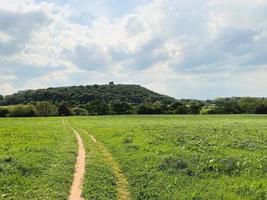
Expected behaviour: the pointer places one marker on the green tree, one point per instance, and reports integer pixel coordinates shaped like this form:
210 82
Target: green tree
248 104
210 109
261 109
181 110
121 108
145 109
174 105
4 111
159 107
45 108
98 108
22 111
228 106
194 108
64 110
80 111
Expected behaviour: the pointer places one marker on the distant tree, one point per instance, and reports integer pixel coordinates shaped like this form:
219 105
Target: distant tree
194 108
228 106
145 109
261 109
181 110
98 108
77 95
64 110
159 107
211 109
1 97
121 108
175 104
4 111
80 111
248 104
22 111
45 108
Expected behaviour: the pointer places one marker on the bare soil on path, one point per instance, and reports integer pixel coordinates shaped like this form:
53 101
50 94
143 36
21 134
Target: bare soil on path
76 188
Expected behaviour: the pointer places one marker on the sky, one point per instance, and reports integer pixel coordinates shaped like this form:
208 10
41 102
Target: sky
182 48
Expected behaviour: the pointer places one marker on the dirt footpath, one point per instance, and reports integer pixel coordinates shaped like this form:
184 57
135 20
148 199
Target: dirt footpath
76 188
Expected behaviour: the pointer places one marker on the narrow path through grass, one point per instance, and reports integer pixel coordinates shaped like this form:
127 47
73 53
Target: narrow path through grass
77 184
121 181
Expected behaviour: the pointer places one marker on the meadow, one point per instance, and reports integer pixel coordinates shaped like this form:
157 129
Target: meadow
37 157
162 157
185 157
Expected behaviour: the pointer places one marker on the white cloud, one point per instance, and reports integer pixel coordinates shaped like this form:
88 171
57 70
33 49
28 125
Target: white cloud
175 47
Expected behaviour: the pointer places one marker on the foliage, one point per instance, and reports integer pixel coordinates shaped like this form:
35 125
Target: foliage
145 109
121 108
228 106
45 109
80 111
194 108
127 99
64 110
4 111
211 109
22 111
181 110
78 95
261 109
175 104
98 108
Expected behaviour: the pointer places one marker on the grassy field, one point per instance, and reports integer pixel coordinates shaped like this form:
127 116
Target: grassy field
184 157
37 157
162 157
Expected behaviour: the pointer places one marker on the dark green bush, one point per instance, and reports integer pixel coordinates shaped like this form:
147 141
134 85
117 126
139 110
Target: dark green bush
45 108
22 111
4 111
80 111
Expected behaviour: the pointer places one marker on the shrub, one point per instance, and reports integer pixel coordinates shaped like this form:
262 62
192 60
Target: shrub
3 112
45 108
145 109
181 110
64 110
80 111
121 108
98 108
22 111
211 109
261 109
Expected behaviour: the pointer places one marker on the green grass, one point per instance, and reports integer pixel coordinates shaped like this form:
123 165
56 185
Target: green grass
37 157
162 157
187 157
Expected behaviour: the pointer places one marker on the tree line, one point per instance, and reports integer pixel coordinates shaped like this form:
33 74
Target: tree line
80 95
235 105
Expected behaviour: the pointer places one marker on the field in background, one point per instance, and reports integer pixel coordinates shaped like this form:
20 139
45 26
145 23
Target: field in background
37 157
184 157
163 157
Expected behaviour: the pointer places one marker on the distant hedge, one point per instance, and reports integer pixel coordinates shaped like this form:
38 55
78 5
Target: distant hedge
22 111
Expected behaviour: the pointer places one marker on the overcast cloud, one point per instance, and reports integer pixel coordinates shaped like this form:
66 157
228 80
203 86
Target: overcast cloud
186 49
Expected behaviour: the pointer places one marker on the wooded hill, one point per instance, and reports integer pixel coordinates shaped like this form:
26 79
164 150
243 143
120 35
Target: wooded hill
78 95
118 99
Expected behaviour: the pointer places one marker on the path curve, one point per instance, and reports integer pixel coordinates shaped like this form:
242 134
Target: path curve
121 181
76 188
